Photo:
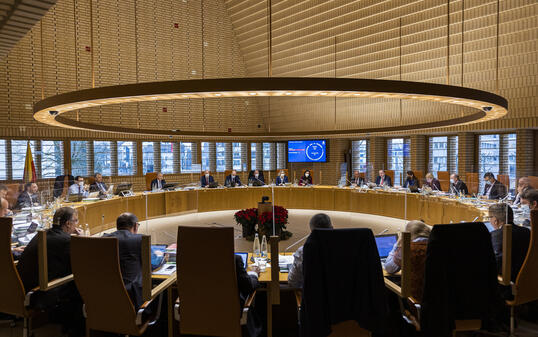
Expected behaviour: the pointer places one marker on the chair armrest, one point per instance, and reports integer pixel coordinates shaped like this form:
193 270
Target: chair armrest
144 306
393 287
176 310
298 297
249 300
59 281
163 285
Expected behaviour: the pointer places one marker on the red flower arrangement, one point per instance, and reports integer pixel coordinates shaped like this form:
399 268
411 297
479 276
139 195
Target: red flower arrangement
263 223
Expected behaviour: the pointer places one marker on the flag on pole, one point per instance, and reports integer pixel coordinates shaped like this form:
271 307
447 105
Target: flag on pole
29 167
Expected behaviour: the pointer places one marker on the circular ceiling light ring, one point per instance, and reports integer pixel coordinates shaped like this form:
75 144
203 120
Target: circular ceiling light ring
488 105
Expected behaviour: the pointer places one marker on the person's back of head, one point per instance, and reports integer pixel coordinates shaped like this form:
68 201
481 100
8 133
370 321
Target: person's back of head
127 221
418 229
320 220
62 216
502 212
27 187
531 195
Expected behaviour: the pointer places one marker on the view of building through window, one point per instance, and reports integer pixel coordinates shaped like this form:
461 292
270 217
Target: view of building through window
148 159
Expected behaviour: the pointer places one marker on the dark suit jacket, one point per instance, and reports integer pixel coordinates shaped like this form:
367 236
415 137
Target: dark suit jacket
245 283
24 200
228 182
387 181
434 185
130 250
58 258
410 182
520 244
305 180
259 180
458 187
95 187
154 183
359 181
498 190
280 181
204 182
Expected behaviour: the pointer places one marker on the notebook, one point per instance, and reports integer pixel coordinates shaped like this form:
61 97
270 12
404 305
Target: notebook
384 244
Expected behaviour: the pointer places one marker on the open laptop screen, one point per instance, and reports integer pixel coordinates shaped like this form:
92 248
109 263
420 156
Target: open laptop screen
244 257
385 243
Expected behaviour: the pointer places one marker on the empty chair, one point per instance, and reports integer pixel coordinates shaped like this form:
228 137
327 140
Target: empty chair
207 283
344 291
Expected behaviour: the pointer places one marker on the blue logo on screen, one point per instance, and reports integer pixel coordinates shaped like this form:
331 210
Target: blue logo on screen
305 151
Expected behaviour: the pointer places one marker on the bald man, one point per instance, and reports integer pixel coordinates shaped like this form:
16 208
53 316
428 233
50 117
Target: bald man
523 185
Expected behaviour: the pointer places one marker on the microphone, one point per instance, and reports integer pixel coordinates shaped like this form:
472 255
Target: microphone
383 231
475 219
300 240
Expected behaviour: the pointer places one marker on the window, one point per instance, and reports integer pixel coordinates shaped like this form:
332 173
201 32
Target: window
359 155
187 151
148 157
126 158
281 156
167 157
102 158
205 156
79 158
221 156
438 154
3 160
252 156
511 158
52 158
18 156
488 157
267 157
397 151
236 156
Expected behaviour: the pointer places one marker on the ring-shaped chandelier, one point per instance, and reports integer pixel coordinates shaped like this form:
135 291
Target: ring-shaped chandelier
487 105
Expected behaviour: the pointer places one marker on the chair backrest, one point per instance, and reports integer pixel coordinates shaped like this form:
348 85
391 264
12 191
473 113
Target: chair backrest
471 180
149 178
527 279
420 176
534 181
444 180
227 173
330 296
277 172
505 180
96 270
207 282
416 264
390 173
90 180
11 287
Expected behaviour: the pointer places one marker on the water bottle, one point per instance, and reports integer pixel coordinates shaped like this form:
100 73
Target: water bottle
264 247
87 230
256 247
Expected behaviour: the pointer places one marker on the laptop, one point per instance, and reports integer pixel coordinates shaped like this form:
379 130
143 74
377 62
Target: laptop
157 256
244 257
384 245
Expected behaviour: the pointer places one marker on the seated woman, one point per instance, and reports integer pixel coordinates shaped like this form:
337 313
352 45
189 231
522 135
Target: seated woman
306 179
411 180
431 182
420 232
281 179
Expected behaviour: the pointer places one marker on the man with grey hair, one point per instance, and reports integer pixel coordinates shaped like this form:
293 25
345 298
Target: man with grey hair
295 276
523 185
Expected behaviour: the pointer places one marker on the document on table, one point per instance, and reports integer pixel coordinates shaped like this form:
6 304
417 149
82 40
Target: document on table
166 269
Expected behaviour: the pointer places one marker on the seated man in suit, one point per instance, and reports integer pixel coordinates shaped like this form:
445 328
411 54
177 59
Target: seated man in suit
306 179
523 184
500 214
457 186
206 179
130 252
158 183
493 188
247 282
65 298
232 180
98 185
79 188
257 179
411 180
295 276
382 179
28 197
356 180
281 179
529 202
432 182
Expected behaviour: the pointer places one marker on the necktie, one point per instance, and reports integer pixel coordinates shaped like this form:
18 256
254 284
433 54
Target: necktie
382 180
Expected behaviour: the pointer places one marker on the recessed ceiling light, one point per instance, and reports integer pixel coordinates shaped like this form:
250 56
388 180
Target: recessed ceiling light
288 93
357 94
217 94
323 93
252 93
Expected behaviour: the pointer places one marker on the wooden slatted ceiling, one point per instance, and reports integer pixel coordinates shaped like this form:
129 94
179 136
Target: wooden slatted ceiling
17 17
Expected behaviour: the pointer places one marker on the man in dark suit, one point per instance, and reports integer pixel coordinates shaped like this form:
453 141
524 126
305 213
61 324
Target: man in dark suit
98 185
158 183
383 179
356 180
457 186
28 197
232 180
281 179
257 179
130 250
501 214
206 179
523 185
65 299
493 189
